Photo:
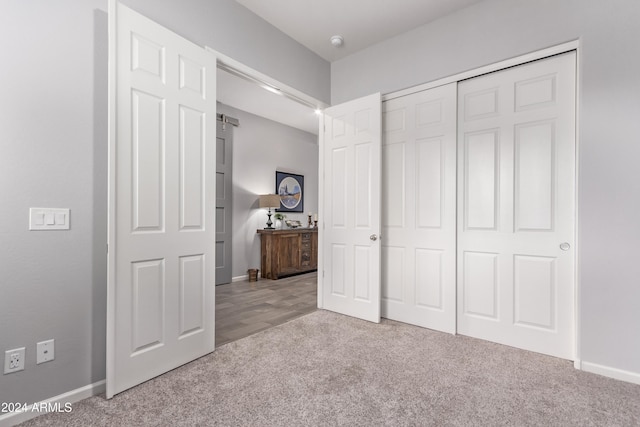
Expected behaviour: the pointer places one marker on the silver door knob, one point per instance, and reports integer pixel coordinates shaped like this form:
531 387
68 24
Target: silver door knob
373 237
565 246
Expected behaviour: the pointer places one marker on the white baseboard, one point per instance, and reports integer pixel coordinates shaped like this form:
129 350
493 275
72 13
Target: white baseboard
53 403
240 278
618 374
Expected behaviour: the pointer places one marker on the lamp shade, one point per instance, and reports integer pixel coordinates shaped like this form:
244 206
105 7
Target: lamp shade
269 201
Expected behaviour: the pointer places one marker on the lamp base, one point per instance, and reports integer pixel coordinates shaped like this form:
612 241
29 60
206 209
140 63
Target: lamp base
269 223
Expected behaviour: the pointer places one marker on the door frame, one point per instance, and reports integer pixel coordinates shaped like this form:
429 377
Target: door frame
573 45
222 120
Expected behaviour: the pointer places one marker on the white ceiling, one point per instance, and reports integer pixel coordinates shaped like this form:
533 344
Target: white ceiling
362 23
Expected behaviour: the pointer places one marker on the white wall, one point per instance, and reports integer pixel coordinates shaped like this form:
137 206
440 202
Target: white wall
609 133
53 153
260 147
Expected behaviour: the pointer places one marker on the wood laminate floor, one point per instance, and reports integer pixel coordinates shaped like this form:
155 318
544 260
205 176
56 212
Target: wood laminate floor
244 308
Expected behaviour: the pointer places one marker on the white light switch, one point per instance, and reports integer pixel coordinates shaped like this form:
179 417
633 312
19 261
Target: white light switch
39 219
49 219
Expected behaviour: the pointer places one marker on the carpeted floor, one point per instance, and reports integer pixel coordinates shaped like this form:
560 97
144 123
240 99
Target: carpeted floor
324 369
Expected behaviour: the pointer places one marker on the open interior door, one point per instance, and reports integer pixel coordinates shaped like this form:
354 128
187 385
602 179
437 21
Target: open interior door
161 201
349 246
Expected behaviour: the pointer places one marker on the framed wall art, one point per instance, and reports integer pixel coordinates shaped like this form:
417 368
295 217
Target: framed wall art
290 188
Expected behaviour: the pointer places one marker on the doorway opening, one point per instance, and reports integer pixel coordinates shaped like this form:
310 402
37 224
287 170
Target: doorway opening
272 130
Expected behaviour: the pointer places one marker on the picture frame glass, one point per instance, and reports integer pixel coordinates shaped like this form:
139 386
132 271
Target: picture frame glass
290 188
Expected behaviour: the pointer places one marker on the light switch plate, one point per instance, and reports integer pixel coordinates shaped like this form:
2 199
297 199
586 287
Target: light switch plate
49 219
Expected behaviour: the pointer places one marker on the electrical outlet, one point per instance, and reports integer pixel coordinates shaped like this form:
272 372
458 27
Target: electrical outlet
45 351
14 360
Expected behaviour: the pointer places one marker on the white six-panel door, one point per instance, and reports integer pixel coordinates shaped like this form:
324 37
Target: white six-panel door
516 185
419 209
350 208
161 298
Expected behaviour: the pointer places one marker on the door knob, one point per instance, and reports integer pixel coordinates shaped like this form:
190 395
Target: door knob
373 237
565 246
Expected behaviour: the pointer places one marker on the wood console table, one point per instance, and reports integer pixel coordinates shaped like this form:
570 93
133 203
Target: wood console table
287 252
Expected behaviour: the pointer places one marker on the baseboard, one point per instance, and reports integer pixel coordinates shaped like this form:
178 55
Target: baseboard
56 403
577 364
618 374
240 278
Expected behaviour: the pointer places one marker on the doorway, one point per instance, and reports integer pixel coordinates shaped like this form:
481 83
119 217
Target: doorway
224 197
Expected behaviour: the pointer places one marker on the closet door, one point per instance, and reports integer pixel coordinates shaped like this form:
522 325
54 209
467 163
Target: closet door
516 213
419 209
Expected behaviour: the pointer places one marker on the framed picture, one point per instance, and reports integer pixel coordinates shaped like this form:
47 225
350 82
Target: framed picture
290 188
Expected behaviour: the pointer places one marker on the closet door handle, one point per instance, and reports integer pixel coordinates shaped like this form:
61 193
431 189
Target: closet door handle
373 237
565 246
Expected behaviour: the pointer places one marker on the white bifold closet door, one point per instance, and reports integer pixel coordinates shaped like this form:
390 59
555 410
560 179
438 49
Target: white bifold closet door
516 213
419 209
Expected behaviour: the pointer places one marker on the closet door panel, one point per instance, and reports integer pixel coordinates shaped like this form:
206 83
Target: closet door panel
419 199
516 151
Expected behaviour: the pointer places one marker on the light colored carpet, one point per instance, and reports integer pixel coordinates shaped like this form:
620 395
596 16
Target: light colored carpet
324 369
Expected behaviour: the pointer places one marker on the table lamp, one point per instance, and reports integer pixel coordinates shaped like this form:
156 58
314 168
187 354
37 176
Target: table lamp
269 201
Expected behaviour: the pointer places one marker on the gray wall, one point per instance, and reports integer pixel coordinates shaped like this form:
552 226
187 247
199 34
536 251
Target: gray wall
260 147
53 153
609 132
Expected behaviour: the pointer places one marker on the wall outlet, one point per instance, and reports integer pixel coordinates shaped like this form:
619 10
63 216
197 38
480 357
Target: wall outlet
44 351
14 360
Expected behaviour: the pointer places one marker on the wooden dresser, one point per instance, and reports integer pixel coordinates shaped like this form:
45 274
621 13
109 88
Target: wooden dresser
287 252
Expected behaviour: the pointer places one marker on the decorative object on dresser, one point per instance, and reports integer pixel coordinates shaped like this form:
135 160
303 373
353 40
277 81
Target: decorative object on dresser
269 201
288 252
290 188
280 218
291 223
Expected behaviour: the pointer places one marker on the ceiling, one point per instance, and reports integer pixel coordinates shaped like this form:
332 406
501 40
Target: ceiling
362 23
